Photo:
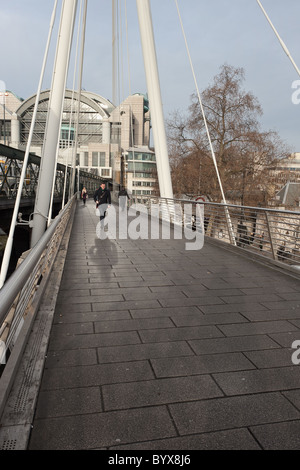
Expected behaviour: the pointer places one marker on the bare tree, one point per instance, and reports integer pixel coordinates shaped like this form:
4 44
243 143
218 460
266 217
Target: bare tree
243 152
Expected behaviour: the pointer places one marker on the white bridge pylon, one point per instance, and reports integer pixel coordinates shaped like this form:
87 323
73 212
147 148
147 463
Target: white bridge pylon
52 132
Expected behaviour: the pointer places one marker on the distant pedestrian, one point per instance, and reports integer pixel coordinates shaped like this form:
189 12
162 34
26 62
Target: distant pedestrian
123 196
102 199
84 195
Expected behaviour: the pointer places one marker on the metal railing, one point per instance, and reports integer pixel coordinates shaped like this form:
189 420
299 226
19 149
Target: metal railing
273 233
21 295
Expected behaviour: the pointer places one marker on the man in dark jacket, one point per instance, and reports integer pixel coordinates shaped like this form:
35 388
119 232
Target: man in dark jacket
102 199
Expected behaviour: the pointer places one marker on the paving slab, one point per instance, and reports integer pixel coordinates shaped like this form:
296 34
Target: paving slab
154 347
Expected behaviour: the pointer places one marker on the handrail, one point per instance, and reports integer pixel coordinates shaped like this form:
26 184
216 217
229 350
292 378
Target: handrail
21 297
269 232
18 279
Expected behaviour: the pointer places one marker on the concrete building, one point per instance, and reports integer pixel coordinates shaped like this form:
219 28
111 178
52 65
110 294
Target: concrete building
113 142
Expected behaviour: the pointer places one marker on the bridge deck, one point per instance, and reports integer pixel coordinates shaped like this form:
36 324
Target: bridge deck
156 347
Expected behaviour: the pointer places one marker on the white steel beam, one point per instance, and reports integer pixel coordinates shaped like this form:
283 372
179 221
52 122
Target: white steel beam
154 94
52 132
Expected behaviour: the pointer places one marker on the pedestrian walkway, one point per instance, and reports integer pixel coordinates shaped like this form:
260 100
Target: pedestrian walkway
155 347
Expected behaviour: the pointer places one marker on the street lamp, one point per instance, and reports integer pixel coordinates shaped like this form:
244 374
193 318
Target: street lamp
4 94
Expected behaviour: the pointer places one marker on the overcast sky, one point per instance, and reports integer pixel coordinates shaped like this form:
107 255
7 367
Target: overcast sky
234 32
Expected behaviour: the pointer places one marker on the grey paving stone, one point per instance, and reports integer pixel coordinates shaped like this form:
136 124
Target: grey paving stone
182 333
132 325
236 439
146 283
120 291
143 351
237 343
160 296
193 365
100 430
186 301
168 311
70 329
257 328
290 296
231 299
239 439
71 273
278 436
233 412
267 315
285 339
296 323
88 299
65 309
294 397
92 316
256 381
231 308
199 291
270 358
125 305
211 319
278 289
96 375
243 283
76 401
93 340
150 276
71 357
284 304
159 391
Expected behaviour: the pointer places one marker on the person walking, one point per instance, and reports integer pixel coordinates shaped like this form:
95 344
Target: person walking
84 195
102 198
123 196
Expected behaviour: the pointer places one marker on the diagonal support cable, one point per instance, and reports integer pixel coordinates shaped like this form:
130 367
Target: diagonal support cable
206 126
279 38
8 247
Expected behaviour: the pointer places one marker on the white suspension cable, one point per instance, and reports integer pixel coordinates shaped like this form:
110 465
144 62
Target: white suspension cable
57 148
79 91
204 119
129 85
72 103
9 243
279 38
127 44
201 105
122 97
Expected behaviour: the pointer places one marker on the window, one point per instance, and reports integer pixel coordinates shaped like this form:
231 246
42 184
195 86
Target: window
86 158
98 159
95 159
140 166
67 133
5 130
145 157
115 132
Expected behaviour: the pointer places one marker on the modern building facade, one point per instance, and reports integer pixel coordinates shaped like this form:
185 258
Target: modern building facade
112 142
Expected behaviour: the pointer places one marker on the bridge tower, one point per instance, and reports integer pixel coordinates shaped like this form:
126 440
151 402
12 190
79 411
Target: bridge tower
51 138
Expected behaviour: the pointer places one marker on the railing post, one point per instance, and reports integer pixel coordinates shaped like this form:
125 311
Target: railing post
229 226
270 234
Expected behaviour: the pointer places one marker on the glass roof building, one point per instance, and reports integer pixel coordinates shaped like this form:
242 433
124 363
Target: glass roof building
112 142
